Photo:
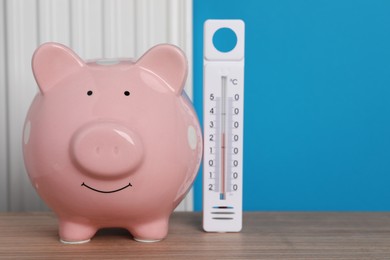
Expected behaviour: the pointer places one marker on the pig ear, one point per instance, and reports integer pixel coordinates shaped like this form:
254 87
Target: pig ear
52 62
169 63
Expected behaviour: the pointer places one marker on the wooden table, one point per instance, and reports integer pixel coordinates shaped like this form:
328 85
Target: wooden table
271 235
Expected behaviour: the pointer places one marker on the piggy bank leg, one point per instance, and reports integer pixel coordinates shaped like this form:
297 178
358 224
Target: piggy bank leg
75 233
153 231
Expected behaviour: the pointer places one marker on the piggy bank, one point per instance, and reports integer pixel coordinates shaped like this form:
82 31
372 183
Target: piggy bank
111 144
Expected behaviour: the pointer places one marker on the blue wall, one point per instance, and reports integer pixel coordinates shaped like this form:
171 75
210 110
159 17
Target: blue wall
317 111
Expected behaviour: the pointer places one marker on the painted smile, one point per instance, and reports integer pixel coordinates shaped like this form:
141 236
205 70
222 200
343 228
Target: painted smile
110 191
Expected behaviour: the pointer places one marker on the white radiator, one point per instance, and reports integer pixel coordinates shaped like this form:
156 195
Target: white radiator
94 29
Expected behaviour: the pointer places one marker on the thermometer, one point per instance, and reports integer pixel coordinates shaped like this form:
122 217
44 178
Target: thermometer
223 114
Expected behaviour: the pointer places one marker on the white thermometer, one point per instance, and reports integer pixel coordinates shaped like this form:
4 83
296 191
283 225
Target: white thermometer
223 115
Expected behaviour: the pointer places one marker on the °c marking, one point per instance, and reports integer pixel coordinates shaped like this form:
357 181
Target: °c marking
102 191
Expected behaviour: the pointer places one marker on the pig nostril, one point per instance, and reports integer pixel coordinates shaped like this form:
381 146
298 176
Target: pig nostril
97 150
116 150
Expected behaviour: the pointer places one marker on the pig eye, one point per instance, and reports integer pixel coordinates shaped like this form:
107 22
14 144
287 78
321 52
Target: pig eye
127 93
89 93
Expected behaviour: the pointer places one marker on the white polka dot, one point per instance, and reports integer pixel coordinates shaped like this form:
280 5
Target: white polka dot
27 130
192 138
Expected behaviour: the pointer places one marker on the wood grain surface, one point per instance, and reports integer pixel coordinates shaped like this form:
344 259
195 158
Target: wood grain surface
266 235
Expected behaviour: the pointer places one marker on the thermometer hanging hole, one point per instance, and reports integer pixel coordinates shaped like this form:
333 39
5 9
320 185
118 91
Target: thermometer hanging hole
224 40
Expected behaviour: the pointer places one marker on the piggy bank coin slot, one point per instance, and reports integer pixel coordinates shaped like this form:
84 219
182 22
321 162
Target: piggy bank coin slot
107 62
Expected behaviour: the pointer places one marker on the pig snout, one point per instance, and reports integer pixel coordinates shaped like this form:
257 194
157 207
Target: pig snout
106 150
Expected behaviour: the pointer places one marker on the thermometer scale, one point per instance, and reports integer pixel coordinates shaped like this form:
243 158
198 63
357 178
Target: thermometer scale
223 104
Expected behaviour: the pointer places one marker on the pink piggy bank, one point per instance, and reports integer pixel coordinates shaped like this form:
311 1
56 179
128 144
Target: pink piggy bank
113 145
